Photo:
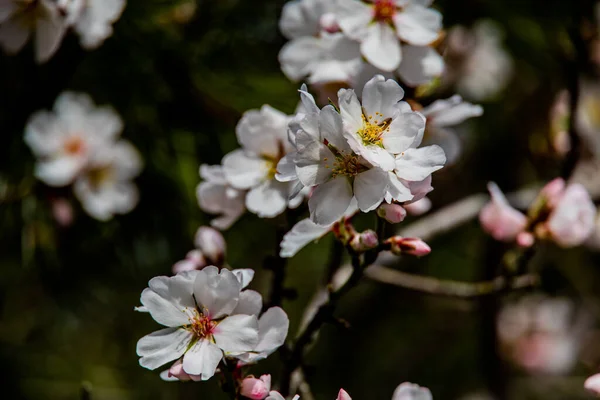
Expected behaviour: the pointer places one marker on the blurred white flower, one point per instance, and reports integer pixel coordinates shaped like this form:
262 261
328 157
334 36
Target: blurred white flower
301 18
106 188
572 221
93 19
19 19
441 116
65 139
477 63
593 384
411 391
380 25
199 310
216 196
263 137
419 207
540 334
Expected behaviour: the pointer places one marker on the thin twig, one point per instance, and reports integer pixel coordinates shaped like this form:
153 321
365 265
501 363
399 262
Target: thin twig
447 287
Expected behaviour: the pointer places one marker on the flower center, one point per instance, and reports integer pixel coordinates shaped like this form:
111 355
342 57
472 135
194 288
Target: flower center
74 146
346 166
98 176
384 10
373 129
271 167
200 325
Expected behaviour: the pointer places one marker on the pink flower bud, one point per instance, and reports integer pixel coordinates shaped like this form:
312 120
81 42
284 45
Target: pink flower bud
419 207
411 246
329 23
553 192
364 241
525 239
176 371
62 211
256 389
343 395
593 384
212 244
193 260
499 219
392 213
573 219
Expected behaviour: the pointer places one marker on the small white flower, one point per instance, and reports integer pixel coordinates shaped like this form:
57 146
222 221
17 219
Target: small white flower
199 310
64 140
572 221
301 18
93 19
215 195
441 116
380 25
263 136
19 19
106 187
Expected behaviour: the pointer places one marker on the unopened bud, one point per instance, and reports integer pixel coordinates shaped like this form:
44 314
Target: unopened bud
176 371
553 192
193 260
62 211
411 246
392 213
419 207
525 239
212 244
364 241
593 384
256 389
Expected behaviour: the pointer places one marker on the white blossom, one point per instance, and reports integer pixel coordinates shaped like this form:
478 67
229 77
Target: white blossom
216 196
20 19
411 391
199 310
263 136
441 116
106 187
93 19
380 25
300 18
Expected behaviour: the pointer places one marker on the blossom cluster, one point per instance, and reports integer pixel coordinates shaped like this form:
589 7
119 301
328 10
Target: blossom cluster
564 214
49 21
78 144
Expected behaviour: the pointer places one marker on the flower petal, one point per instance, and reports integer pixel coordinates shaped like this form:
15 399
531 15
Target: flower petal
350 110
250 303
218 292
381 47
167 298
162 346
370 188
244 275
202 359
417 164
420 64
237 333
273 328
330 200
300 235
405 130
381 97
330 123
269 199
418 25
244 171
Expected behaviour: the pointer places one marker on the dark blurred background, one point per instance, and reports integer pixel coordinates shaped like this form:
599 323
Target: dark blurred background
181 73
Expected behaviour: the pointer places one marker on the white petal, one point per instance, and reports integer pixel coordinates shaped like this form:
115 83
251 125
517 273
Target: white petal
314 164
237 333
269 199
374 154
218 292
330 200
381 47
273 328
244 275
447 139
14 34
202 359
404 131
250 303
410 391
162 346
300 235
286 168
350 110
397 190
332 129
370 188
263 131
456 114
243 170
418 25
417 164
353 17
50 30
299 57
95 24
167 298
420 64
308 101
59 171
381 96
301 18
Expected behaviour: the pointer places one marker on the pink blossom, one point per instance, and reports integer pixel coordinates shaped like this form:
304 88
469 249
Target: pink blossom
525 239
411 246
593 384
212 244
193 260
572 221
176 371
392 213
256 389
499 218
553 192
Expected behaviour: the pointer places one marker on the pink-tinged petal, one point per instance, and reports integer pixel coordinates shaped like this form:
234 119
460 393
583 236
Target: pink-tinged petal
392 213
573 219
202 359
410 246
237 333
499 219
255 389
381 47
162 346
343 395
593 384
553 192
212 244
330 200
525 239
419 207
216 292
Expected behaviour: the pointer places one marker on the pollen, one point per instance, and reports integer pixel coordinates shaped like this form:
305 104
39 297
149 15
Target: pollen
200 325
384 10
346 166
373 130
